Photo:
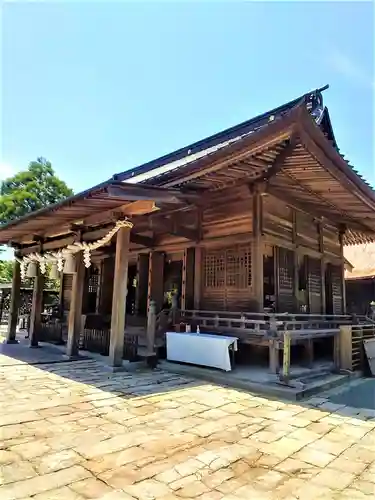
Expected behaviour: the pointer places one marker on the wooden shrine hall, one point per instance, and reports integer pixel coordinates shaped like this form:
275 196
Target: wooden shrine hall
250 221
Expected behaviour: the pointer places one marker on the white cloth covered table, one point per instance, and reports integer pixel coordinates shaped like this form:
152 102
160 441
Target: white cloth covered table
200 349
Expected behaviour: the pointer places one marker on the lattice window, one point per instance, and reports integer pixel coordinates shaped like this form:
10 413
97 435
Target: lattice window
336 281
238 272
93 282
286 266
314 276
228 268
214 269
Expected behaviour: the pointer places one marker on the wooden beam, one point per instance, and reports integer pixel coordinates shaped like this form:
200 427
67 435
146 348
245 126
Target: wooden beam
75 310
14 304
69 239
145 241
171 226
36 309
131 192
120 289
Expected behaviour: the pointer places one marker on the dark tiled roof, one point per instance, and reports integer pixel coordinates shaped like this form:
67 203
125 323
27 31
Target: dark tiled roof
177 159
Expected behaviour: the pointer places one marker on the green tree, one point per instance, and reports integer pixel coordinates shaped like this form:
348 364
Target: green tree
30 190
6 271
6 274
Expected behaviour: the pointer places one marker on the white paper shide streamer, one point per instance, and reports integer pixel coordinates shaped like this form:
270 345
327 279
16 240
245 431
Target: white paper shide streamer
59 257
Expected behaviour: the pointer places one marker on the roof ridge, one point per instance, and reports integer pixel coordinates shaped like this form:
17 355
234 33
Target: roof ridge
222 136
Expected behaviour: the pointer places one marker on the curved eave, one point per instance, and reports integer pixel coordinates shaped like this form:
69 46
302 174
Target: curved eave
335 162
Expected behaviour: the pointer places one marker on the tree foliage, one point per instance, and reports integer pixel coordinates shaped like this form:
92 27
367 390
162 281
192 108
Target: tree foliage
30 190
6 271
6 275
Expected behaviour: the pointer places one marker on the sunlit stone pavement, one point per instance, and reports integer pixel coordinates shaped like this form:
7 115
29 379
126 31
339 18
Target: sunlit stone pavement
75 431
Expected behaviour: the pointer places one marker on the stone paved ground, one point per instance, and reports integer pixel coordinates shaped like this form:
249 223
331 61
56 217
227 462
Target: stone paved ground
359 394
75 431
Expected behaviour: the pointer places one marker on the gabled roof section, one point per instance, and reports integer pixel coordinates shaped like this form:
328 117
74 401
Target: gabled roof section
155 169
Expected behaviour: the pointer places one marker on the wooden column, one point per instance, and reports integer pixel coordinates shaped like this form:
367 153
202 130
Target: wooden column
120 288
322 269
257 249
36 309
343 286
345 347
14 304
198 270
295 261
187 295
156 280
75 310
141 291
106 285
61 294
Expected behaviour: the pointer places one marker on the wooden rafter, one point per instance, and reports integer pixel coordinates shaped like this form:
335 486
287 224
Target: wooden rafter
313 208
279 162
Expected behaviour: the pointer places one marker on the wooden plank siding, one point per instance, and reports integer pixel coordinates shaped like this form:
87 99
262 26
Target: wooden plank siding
303 248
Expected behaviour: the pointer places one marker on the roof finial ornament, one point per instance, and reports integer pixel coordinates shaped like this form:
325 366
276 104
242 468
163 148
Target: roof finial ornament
314 104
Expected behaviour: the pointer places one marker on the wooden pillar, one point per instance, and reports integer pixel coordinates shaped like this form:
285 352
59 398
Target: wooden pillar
343 286
322 269
198 270
75 310
187 296
141 291
345 347
323 284
156 280
106 285
100 272
61 294
36 308
151 329
120 288
14 304
257 250
295 261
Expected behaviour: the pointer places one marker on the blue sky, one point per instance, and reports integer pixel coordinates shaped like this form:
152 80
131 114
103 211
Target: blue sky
100 87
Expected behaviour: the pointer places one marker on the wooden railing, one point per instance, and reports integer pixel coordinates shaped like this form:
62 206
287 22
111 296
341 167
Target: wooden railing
51 330
276 332
352 351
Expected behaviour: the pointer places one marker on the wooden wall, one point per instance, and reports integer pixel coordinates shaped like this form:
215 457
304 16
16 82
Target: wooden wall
303 248
306 252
